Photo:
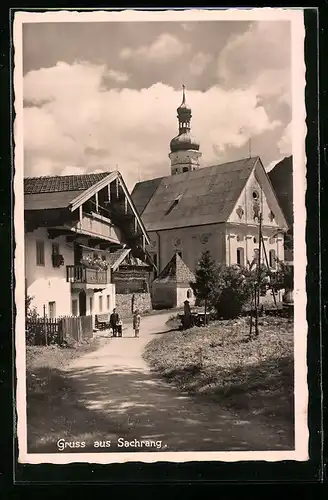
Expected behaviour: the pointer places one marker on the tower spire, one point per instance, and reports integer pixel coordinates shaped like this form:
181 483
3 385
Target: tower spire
183 94
184 149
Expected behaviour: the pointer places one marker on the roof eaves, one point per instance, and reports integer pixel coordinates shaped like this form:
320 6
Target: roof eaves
256 159
275 195
133 208
85 195
120 259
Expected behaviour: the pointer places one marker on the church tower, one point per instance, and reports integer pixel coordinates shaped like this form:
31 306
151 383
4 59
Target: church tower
184 148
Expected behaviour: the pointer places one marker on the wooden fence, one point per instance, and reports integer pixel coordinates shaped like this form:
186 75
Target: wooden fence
45 331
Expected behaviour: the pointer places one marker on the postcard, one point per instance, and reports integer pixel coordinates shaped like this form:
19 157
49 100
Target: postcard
160 260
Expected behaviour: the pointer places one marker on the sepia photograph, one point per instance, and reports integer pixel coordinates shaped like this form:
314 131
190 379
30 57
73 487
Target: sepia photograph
160 262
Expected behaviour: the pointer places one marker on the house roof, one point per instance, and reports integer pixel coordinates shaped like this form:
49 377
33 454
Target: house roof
44 193
61 183
176 271
203 196
48 201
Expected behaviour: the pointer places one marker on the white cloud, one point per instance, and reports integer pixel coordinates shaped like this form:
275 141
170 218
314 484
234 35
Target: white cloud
78 123
199 63
285 143
164 48
117 76
260 57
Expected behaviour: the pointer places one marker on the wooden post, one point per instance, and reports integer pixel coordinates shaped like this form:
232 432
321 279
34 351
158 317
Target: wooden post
45 325
80 215
97 202
108 191
267 263
117 186
257 291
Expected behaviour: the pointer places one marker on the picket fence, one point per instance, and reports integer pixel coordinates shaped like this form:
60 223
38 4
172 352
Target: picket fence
45 331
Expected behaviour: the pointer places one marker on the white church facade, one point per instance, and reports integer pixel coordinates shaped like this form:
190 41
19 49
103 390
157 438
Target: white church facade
216 208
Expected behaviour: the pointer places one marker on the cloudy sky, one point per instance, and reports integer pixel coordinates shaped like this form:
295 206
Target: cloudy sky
101 96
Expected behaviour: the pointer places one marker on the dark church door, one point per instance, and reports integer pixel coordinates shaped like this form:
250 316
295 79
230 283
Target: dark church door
83 303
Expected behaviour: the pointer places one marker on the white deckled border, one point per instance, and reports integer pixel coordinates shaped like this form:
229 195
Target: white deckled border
295 16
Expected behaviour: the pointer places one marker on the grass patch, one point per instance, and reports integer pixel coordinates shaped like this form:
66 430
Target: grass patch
52 403
216 362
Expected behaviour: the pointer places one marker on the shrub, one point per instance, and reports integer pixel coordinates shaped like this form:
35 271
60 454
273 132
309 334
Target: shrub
232 289
283 278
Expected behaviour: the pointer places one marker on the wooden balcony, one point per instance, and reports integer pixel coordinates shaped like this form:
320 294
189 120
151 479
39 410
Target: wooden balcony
83 278
95 225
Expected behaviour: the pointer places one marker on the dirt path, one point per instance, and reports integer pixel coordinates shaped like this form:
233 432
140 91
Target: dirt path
116 386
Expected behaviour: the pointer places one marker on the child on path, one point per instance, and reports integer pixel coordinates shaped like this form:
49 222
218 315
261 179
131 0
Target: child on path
136 323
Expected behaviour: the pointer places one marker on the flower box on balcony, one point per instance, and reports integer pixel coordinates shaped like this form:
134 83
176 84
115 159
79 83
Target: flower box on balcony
93 263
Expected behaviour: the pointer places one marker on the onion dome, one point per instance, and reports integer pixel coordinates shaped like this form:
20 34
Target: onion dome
184 109
184 142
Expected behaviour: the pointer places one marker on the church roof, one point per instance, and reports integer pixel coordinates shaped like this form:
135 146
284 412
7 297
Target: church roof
194 198
175 271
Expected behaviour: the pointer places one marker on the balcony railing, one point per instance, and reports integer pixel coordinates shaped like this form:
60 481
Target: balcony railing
81 274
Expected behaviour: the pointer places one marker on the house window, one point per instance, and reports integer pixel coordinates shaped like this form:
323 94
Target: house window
100 303
255 239
55 249
189 294
256 195
108 302
240 257
90 304
180 254
52 310
272 259
185 169
74 307
40 253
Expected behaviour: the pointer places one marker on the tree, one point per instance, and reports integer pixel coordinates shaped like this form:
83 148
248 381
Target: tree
205 284
283 278
233 289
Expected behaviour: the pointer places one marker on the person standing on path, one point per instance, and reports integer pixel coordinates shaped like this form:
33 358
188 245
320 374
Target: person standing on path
114 321
136 323
186 315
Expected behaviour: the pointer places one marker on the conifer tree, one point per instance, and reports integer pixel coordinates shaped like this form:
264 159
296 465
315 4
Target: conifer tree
205 274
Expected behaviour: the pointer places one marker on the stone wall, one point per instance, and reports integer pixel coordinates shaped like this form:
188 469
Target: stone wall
124 301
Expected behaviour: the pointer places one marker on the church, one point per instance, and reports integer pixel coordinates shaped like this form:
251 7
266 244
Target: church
217 208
